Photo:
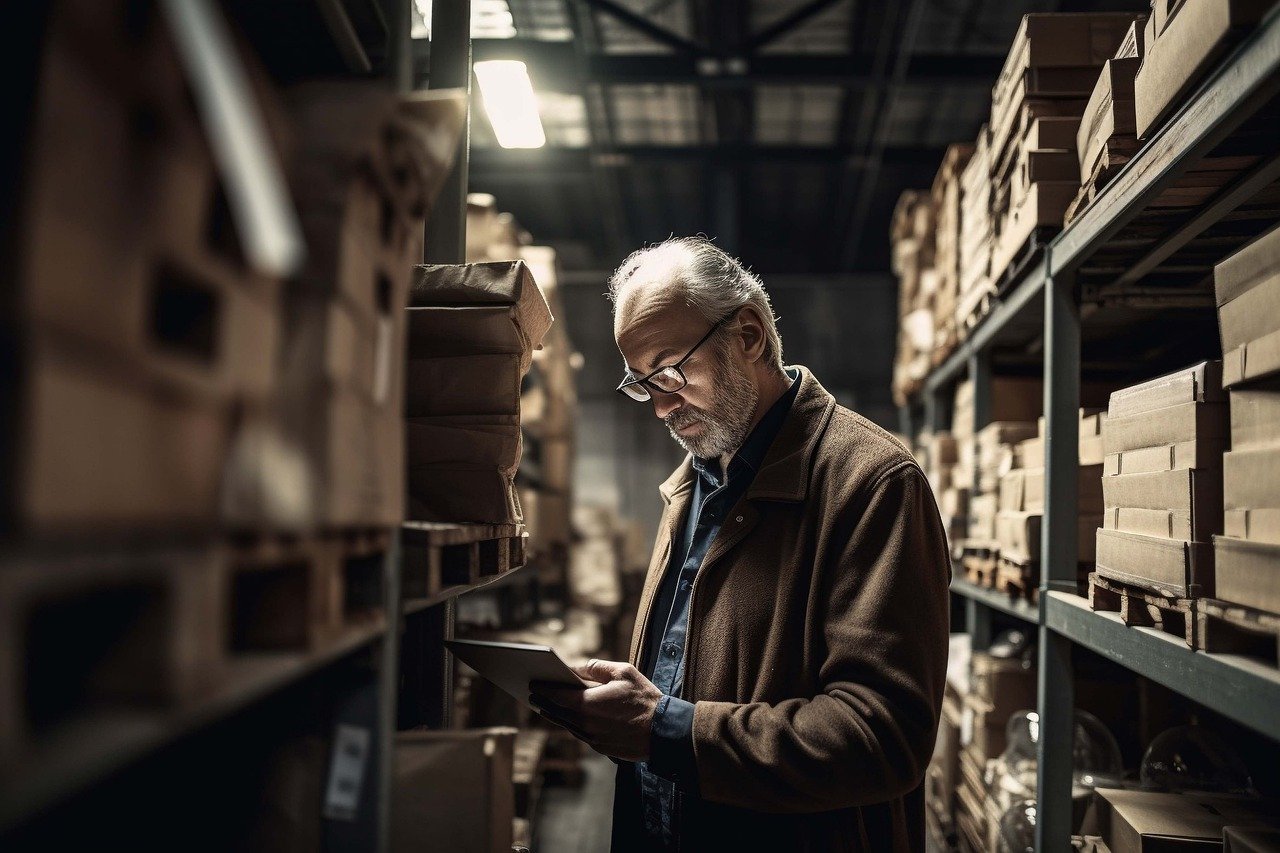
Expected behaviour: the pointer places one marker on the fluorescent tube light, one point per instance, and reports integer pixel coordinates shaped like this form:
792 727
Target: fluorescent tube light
510 103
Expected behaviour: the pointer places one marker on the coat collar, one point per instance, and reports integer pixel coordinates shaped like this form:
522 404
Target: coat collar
784 471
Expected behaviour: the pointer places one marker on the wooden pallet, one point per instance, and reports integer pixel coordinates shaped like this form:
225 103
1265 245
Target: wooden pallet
124 643
1144 607
974 308
979 569
438 557
1019 578
1225 627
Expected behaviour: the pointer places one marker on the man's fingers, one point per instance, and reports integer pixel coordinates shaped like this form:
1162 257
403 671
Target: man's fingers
565 697
605 670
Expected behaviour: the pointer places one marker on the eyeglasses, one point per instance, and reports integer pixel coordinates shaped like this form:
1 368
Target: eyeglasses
669 378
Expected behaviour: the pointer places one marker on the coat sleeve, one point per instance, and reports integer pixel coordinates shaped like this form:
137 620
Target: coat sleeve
867 735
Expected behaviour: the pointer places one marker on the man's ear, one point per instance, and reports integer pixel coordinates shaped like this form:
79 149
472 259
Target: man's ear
751 333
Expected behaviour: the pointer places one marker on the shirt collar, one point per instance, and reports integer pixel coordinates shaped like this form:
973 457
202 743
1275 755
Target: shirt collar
756 444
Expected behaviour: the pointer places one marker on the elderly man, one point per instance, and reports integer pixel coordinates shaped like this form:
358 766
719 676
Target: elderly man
787 666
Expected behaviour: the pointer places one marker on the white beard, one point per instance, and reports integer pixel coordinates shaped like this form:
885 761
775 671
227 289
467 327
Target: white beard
725 424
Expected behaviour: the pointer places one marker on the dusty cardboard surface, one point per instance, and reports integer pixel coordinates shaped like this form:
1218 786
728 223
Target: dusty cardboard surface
1249 574
1197 493
1251 478
1257 359
1253 314
1168 564
1244 269
1199 383
1150 821
1169 425
1255 417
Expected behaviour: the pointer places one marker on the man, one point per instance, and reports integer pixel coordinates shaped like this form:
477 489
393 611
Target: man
787 666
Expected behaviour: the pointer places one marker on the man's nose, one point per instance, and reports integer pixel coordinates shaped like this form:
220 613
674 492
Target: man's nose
665 404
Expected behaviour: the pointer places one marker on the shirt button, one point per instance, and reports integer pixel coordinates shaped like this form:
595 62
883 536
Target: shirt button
739 518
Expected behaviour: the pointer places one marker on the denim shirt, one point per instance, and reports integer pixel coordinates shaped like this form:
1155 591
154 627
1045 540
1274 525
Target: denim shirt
671 761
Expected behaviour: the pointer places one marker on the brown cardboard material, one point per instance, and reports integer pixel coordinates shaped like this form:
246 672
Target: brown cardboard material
1185 51
982 517
463 385
431 441
1052 132
1245 269
1250 839
458 493
1255 417
1200 383
1003 683
1177 568
1252 314
1257 525
1011 491
1258 359
101 449
1195 422
1197 493
1250 573
1108 114
1134 43
1204 453
1133 821
507 283
1166 523
1251 478
454 785
1018 535
1088 489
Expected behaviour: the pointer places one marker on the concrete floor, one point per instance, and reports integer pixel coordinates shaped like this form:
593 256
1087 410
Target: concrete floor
577 820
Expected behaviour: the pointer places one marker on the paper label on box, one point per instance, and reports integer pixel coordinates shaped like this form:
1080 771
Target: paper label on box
346 772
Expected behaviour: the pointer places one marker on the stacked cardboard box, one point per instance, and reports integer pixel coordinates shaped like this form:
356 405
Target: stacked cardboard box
999 687
1162 483
946 202
941 455
548 405
1130 821
1107 136
1247 557
136 333
1183 42
473 330
1022 501
364 178
976 233
1050 72
912 235
454 785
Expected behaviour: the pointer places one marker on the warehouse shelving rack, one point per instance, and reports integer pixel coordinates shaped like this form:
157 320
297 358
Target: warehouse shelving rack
1044 310
377 691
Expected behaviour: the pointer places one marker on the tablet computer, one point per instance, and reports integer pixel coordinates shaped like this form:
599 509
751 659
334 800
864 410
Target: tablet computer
513 666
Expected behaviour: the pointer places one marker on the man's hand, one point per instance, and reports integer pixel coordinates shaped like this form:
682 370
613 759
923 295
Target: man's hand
613 717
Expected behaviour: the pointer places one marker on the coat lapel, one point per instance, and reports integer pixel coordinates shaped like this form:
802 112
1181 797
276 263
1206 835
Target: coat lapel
676 493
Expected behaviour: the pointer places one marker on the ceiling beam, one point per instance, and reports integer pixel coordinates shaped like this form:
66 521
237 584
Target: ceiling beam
787 23
555 66
559 161
643 25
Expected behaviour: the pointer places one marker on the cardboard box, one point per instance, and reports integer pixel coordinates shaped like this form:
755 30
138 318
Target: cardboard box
1183 569
99 449
1248 573
1134 43
1203 454
1248 267
1200 383
1044 205
464 440
1185 51
462 493
982 728
1250 839
1165 523
1261 524
1003 683
1195 494
1018 535
1255 417
1186 422
1251 478
1088 489
982 517
1150 822
506 284
463 385
1012 491
1251 315
455 785
1257 359
1108 114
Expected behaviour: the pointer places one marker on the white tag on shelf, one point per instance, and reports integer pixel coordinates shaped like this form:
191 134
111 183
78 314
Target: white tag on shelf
346 772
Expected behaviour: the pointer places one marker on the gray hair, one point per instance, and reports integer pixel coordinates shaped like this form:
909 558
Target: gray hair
714 283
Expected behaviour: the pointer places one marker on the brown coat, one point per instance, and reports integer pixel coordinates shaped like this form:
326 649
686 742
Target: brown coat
817 642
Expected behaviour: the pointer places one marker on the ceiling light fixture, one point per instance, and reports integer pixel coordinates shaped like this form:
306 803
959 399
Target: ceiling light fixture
510 103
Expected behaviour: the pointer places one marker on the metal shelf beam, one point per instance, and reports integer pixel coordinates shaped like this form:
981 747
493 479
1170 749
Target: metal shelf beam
1243 689
995 600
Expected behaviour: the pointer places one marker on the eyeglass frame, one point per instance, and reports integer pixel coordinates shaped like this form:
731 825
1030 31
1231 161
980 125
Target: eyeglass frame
651 388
